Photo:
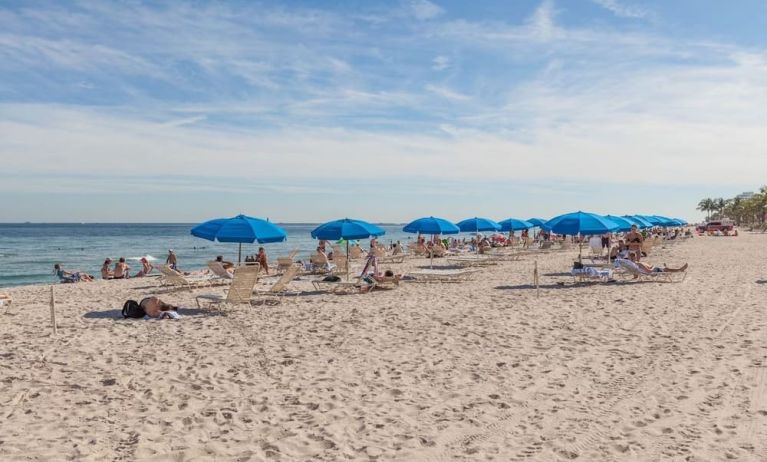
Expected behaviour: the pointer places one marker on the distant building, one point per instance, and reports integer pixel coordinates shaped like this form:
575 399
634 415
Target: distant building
745 196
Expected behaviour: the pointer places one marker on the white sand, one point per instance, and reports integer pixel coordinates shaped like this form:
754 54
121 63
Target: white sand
471 371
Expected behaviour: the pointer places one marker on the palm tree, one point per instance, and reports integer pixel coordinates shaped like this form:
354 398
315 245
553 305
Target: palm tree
706 205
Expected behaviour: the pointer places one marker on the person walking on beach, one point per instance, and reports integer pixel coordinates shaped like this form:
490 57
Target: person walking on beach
171 260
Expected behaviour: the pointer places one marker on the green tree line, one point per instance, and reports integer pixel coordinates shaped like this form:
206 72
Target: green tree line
743 212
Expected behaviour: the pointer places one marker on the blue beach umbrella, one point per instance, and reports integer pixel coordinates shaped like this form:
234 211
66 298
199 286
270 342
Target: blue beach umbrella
665 221
623 223
583 223
431 225
640 222
653 220
477 224
515 224
539 222
241 229
346 229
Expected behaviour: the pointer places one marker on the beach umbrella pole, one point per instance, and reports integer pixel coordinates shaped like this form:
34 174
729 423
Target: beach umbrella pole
347 259
239 255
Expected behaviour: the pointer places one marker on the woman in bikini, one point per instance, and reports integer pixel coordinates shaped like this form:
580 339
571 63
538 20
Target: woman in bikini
634 240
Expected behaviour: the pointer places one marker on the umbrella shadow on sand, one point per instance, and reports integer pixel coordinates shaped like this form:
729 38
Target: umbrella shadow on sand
117 314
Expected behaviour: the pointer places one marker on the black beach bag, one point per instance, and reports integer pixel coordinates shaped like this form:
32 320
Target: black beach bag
131 309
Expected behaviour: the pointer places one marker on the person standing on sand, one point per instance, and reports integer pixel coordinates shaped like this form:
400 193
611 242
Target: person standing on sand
171 260
634 241
262 260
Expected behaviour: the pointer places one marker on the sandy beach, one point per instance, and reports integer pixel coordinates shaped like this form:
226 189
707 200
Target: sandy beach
483 370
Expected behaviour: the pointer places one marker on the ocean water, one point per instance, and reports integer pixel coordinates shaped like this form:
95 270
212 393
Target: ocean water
29 251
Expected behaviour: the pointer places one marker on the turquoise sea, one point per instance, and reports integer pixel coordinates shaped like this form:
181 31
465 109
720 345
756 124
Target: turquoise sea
29 251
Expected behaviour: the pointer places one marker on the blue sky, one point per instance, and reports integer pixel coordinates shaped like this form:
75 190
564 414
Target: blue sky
308 111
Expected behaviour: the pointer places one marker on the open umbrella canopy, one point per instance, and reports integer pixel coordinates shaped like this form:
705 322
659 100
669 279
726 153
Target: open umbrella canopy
536 221
477 224
623 223
583 223
640 222
431 225
515 224
242 229
346 229
654 221
681 221
665 221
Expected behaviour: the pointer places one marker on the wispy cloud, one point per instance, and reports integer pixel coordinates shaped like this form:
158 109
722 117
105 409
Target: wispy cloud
623 10
446 92
424 9
440 63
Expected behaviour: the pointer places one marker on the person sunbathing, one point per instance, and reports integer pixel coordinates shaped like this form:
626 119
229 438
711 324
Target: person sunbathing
146 268
655 269
156 308
121 269
71 276
107 273
619 251
229 266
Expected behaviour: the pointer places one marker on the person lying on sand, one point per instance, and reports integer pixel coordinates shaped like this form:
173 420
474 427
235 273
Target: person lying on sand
228 266
71 276
156 308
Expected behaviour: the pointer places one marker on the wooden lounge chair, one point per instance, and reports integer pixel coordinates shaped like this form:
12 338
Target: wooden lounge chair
280 287
174 279
441 275
239 292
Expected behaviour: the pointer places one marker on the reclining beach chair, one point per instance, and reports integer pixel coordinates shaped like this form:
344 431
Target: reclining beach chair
283 263
239 292
344 287
218 269
591 274
441 275
280 287
629 270
472 260
320 265
174 279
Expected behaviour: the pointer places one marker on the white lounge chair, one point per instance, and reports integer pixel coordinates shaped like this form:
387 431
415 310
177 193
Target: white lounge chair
343 287
174 279
629 270
469 260
240 291
280 287
283 263
441 275
218 269
591 274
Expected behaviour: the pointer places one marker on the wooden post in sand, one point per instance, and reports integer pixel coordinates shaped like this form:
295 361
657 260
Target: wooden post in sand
535 280
53 312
